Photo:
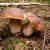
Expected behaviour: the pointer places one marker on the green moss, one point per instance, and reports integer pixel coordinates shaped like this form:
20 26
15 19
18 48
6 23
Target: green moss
41 1
10 42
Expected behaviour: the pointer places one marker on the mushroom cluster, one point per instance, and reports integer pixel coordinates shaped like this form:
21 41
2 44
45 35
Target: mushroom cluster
19 20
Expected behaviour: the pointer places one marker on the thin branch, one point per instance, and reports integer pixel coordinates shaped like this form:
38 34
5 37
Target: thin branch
15 4
44 39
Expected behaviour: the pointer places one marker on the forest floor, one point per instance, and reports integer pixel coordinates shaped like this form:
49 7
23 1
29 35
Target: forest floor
35 42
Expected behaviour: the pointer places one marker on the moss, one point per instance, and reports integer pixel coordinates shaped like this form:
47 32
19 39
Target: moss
11 42
41 1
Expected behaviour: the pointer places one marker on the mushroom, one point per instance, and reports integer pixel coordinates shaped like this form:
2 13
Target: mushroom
16 15
35 21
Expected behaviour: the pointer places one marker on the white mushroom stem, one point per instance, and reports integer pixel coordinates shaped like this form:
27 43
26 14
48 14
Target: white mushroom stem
15 26
27 29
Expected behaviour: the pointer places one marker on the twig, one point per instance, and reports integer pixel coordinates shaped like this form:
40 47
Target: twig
15 4
44 40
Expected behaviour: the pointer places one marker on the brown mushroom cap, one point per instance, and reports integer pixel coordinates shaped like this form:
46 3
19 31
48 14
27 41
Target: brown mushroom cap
13 12
35 21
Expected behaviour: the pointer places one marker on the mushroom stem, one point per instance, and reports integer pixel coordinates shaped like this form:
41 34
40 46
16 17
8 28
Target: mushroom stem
27 29
15 26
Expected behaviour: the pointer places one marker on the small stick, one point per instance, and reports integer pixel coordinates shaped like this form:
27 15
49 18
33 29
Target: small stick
44 39
15 4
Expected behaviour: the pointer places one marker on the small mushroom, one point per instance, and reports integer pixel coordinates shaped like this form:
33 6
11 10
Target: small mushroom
27 29
35 21
16 15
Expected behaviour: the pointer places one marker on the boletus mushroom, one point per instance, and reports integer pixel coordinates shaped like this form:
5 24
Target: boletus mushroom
16 15
35 21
